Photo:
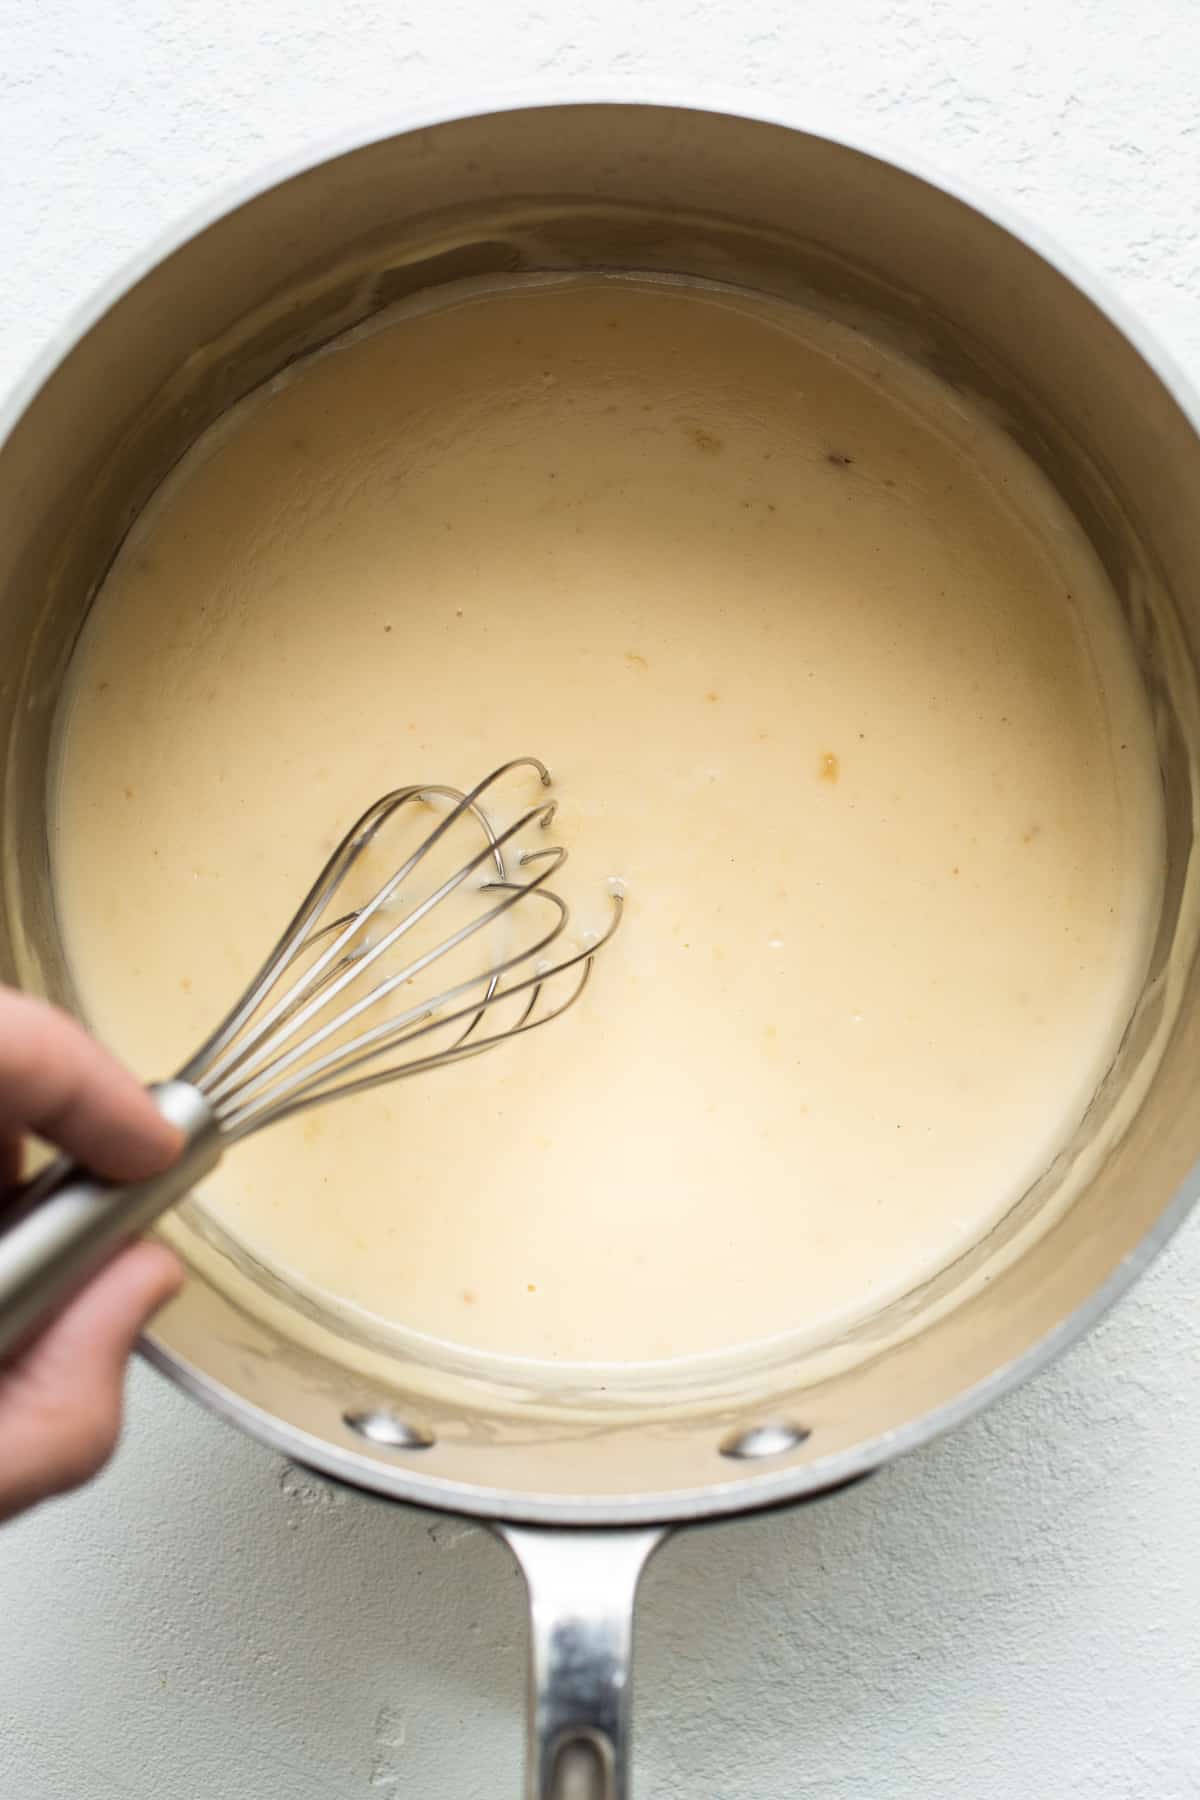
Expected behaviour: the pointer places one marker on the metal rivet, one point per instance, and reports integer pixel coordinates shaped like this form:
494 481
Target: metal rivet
775 1438
388 1431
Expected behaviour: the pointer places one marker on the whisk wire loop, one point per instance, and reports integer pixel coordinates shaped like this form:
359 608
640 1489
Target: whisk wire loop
286 1045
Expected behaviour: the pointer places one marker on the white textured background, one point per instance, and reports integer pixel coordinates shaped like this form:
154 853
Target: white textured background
1014 1615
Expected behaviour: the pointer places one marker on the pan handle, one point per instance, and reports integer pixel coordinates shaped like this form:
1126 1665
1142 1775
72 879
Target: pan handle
582 1586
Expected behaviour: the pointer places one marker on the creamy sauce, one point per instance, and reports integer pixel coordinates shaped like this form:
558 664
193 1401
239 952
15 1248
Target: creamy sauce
825 674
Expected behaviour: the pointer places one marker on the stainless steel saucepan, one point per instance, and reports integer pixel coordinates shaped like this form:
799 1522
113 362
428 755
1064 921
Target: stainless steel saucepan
584 1484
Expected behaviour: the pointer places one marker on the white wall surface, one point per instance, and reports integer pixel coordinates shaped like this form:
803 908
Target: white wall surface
1012 1615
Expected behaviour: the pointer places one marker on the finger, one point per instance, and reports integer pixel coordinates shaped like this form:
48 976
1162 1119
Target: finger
55 1080
60 1402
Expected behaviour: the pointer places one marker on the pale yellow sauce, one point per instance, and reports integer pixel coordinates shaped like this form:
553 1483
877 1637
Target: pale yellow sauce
824 672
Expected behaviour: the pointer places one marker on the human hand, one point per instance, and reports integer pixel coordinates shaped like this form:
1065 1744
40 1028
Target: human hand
60 1398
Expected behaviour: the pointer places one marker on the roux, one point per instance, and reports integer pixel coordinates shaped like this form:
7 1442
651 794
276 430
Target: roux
826 675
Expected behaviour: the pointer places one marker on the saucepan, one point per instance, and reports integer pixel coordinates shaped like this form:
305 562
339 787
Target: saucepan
583 1482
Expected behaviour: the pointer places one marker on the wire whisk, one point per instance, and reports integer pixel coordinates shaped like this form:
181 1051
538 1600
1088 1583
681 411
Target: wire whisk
284 1045
447 957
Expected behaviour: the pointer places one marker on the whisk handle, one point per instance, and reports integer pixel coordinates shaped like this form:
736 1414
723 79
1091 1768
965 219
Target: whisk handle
59 1228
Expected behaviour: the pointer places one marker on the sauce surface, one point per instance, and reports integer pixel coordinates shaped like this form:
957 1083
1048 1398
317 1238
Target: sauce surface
825 674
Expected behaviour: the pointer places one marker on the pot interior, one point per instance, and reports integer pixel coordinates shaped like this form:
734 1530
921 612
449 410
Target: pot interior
636 188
